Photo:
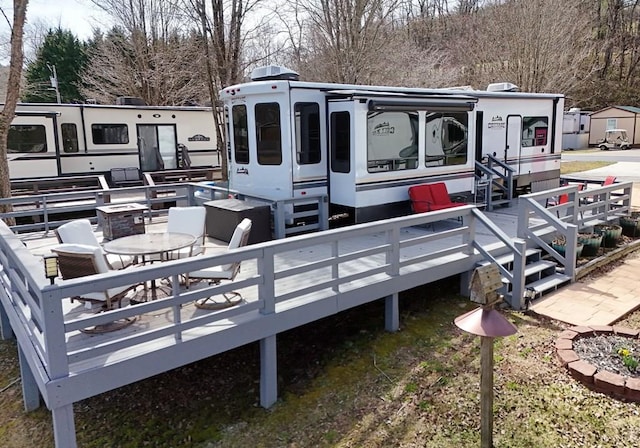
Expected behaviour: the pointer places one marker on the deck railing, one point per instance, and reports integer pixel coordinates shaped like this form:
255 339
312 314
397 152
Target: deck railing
583 209
285 283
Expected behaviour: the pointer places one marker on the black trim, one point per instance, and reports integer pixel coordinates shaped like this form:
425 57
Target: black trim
410 104
554 115
413 180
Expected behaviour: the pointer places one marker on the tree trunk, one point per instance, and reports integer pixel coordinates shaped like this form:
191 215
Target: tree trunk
13 94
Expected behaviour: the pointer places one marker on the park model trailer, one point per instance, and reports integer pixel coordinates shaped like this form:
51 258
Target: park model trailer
51 140
365 145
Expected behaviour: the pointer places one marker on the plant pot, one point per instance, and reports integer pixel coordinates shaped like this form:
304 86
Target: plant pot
560 248
610 234
631 225
591 242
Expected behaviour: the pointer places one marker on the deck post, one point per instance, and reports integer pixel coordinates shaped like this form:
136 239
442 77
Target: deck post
30 392
465 282
391 313
518 283
6 332
64 428
268 372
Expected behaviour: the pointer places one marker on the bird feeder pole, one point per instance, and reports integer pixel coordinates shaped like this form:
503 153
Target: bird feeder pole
487 323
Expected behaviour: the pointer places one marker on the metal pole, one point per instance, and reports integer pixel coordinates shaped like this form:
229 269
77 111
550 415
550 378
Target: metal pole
486 392
54 81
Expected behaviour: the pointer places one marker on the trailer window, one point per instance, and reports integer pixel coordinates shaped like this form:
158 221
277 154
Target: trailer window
392 141
110 134
340 142
446 138
27 138
307 122
69 137
268 134
240 134
534 131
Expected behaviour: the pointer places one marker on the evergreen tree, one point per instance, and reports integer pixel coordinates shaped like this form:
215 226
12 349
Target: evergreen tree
64 52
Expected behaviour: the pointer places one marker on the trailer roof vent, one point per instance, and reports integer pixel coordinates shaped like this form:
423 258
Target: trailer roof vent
130 101
272 72
502 87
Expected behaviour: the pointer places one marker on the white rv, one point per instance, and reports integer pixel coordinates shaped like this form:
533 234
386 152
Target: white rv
365 145
51 140
575 129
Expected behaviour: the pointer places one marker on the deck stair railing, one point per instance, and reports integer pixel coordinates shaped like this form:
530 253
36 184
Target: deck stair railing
496 179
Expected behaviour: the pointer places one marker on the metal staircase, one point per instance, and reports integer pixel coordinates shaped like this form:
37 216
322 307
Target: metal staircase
494 183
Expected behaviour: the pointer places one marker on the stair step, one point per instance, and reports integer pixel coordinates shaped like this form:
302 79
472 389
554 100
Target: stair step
534 268
508 258
500 202
547 283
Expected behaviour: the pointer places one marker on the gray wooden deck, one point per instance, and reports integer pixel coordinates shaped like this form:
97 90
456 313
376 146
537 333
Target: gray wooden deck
285 284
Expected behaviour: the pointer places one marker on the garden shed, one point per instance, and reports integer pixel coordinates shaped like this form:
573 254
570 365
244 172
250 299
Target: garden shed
615 117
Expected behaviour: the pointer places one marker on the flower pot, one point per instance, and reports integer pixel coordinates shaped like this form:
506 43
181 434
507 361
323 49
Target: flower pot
610 234
591 242
560 248
631 225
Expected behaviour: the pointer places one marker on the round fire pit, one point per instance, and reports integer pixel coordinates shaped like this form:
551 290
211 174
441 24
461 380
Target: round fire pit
595 356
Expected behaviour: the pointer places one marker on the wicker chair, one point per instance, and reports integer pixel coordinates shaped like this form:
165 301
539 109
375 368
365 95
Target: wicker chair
79 231
78 260
217 274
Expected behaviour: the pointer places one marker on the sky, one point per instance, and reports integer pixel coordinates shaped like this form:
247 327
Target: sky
79 16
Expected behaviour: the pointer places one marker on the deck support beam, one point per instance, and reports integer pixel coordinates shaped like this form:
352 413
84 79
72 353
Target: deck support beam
465 283
392 313
30 392
64 428
6 332
268 371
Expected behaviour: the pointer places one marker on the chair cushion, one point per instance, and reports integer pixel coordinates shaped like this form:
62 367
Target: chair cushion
421 199
78 231
440 194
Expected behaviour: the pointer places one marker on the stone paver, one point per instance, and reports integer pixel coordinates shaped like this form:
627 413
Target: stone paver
601 301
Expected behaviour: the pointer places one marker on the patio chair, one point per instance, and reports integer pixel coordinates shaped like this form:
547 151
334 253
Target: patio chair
609 180
217 274
79 231
189 220
80 260
431 197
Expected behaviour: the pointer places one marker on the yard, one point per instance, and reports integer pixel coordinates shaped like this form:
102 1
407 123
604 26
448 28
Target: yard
344 382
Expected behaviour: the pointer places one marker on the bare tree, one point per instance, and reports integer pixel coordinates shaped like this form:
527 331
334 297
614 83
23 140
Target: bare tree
223 37
345 39
13 93
524 42
153 54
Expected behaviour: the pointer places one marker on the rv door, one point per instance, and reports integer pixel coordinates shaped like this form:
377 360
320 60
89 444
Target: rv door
260 146
514 142
341 160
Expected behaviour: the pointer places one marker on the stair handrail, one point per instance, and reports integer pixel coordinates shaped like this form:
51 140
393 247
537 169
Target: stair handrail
518 247
501 180
530 206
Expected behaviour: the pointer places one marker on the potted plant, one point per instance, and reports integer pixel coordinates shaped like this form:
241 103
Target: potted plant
631 224
611 233
559 245
591 242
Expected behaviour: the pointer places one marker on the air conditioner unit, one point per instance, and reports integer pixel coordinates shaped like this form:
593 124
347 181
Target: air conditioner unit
273 72
502 87
130 101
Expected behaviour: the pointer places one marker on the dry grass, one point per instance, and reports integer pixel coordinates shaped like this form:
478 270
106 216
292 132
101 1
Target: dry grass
344 382
579 166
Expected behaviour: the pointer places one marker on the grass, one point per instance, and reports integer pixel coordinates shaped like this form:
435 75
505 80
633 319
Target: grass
345 382
578 166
